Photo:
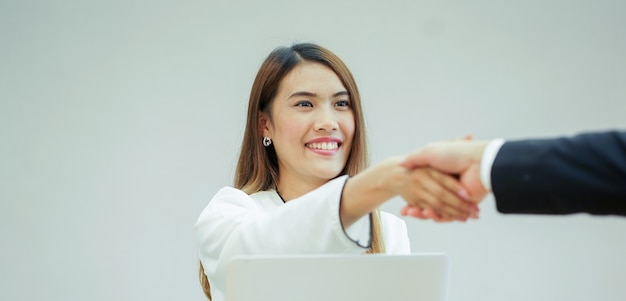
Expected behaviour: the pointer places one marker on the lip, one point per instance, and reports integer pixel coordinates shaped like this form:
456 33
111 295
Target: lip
325 140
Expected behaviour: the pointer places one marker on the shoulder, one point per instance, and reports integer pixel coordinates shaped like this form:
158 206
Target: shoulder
225 200
229 198
234 195
228 203
229 192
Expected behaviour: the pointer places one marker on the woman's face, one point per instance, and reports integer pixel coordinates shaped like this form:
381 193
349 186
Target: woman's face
311 125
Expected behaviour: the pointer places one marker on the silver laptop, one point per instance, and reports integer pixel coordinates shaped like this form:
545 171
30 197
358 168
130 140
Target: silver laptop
415 277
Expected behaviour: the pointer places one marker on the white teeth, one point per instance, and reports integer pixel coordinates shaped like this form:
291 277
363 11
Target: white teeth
324 145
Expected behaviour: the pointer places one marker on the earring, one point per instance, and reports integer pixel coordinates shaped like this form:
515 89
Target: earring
267 141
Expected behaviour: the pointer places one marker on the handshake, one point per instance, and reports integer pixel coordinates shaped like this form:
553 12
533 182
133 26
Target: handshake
452 187
585 173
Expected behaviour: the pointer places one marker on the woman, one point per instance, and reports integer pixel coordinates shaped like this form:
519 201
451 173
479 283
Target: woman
301 185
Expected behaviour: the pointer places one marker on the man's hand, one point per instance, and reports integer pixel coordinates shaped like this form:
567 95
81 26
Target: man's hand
459 157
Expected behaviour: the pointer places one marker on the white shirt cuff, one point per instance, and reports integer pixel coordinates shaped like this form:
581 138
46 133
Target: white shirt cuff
489 155
361 231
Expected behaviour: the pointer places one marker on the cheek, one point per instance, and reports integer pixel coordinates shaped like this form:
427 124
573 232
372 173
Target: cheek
291 129
348 126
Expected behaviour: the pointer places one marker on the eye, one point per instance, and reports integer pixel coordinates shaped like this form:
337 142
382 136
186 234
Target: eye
304 103
342 103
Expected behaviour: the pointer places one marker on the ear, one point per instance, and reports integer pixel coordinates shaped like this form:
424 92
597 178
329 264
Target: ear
265 124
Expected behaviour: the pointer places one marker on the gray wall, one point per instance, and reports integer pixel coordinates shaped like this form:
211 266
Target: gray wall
120 119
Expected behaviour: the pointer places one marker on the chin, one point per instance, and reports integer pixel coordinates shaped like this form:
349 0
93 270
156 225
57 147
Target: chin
329 174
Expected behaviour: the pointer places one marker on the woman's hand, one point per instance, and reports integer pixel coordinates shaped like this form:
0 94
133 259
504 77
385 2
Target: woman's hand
431 194
420 213
438 196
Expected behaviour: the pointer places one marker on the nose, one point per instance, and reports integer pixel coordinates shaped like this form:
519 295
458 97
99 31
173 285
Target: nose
326 120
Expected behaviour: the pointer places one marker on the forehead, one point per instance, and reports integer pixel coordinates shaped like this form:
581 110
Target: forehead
311 77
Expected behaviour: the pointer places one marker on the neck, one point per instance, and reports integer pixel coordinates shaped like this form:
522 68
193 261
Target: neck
290 189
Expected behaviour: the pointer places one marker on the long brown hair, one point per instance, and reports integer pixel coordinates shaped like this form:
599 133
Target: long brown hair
257 168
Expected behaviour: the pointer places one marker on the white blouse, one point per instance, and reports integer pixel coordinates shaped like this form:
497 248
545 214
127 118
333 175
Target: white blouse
235 223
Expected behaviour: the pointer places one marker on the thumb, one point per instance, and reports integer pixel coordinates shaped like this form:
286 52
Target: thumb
415 159
424 156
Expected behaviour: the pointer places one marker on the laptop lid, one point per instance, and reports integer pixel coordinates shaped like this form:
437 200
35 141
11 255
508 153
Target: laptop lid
415 277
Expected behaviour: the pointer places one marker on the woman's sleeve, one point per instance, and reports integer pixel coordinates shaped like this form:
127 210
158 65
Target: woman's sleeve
395 234
235 224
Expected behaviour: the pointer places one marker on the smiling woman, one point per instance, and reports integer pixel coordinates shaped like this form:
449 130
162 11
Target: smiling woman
301 184
312 126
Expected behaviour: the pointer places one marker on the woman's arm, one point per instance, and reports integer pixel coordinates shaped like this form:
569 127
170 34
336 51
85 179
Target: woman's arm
374 186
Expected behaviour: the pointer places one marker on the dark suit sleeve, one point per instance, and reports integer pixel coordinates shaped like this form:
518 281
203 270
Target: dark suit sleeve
584 173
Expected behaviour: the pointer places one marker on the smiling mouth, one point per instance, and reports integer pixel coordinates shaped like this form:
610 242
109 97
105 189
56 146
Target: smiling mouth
323 145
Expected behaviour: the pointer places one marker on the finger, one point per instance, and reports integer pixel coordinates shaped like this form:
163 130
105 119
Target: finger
475 211
415 159
445 202
423 214
429 202
428 213
413 211
404 210
414 198
417 212
420 194
452 184
466 137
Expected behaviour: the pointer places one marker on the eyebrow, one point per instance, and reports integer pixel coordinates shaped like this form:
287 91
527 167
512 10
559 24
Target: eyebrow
309 94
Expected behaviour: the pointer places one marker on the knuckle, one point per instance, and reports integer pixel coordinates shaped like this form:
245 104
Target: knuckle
440 194
438 202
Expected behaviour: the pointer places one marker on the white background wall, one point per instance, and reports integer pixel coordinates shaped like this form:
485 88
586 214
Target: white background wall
120 119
